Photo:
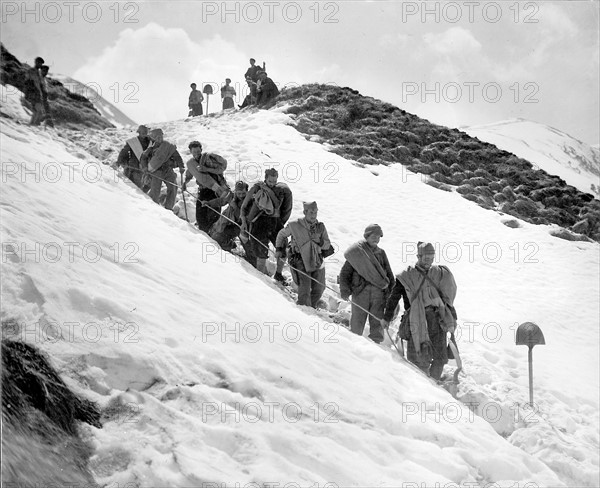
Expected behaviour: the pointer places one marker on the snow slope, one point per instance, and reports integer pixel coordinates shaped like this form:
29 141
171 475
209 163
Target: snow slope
212 375
550 149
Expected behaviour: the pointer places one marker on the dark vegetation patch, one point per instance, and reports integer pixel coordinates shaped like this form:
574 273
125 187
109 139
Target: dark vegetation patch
41 439
370 131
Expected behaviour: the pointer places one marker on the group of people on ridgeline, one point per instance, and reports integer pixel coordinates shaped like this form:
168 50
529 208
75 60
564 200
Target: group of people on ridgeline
36 93
262 89
260 215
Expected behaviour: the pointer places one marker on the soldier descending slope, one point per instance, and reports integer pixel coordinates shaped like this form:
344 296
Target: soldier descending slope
264 213
213 191
227 228
368 277
431 313
309 246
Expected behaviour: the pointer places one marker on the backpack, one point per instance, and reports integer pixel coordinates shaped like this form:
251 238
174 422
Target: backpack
265 200
212 163
265 203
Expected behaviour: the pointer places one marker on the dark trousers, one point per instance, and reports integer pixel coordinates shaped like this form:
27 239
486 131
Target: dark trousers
170 178
372 299
434 354
136 176
206 216
38 113
310 290
264 229
226 236
196 109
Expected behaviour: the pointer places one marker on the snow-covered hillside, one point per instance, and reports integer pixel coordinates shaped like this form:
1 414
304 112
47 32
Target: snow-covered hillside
222 379
550 149
106 109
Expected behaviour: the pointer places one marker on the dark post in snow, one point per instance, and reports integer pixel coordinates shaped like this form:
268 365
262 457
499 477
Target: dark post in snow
208 91
529 334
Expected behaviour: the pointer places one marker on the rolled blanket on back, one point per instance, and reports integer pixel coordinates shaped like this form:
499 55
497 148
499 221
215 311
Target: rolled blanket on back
212 163
309 250
411 279
160 155
362 259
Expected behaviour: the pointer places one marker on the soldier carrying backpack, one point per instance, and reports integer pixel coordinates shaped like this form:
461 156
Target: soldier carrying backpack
264 213
213 191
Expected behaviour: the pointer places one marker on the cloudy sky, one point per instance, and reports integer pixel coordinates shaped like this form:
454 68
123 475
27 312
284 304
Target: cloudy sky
454 63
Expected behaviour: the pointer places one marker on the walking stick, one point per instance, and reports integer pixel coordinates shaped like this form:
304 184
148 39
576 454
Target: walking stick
183 195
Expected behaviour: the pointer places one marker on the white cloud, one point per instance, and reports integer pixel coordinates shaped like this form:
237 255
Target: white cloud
455 40
329 74
395 41
557 21
160 64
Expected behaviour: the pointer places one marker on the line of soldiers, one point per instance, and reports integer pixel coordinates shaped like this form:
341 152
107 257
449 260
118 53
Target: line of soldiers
262 90
36 93
259 216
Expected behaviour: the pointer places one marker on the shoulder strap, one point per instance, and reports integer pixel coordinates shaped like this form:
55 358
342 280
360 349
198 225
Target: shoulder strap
420 286
271 194
426 277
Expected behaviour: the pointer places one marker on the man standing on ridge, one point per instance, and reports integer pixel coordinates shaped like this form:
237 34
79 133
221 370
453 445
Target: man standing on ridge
432 290
227 94
195 101
130 156
264 213
368 277
33 91
213 191
251 76
159 160
309 246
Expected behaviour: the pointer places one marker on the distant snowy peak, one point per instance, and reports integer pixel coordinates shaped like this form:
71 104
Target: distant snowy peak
106 109
550 149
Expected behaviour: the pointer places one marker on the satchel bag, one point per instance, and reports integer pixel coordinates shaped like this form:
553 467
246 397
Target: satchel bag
449 310
404 329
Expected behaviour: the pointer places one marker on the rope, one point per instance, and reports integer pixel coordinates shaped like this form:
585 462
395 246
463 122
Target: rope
400 353
265 246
